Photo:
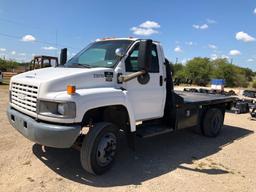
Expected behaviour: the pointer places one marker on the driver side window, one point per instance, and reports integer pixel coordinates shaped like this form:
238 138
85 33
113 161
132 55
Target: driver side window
132 64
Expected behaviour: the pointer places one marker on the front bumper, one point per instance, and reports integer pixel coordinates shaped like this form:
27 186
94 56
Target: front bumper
52 135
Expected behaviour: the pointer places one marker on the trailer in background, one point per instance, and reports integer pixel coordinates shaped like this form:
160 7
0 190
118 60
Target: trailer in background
42 61
218 84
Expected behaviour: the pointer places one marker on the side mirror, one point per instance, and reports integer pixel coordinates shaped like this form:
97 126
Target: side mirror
63 56
145 55
120 52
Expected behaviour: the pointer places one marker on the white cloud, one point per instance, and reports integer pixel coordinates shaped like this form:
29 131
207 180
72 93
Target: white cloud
143 31
211 46
146 29
28 38
2 49
254 11
178 49
50 48
250 60
214 56
184 61
204 26
13 52
224 57
22 54
234 52
190 43
242 36
211 21
196 26
150 24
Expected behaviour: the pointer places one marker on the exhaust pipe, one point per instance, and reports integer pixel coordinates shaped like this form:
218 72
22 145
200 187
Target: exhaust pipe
63 56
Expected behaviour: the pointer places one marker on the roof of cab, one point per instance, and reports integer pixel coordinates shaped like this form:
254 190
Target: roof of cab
122 38
114 38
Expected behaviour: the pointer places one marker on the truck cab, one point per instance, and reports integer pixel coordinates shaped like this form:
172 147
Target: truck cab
112 85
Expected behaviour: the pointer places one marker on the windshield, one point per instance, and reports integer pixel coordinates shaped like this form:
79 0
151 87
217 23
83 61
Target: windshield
99 54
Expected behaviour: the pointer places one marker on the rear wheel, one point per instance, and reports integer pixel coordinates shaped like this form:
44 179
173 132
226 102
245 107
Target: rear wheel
213 122
99 148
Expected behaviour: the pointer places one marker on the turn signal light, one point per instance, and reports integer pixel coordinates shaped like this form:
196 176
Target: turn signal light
71 89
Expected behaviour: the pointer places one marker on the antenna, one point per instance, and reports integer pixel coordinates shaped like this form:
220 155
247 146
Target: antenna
56 42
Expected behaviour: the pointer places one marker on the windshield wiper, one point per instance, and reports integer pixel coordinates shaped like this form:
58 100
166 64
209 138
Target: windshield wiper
80 65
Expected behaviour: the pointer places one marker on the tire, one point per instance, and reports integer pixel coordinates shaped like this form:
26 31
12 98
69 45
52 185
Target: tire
213 122
99 148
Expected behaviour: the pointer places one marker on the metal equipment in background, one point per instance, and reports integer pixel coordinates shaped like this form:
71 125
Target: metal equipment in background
42 61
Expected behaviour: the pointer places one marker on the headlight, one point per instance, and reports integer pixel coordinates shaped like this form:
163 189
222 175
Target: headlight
61 108
57 109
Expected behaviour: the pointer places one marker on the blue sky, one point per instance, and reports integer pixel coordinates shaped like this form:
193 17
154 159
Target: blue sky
219 28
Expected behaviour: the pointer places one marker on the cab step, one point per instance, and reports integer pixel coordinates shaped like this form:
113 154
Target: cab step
146 131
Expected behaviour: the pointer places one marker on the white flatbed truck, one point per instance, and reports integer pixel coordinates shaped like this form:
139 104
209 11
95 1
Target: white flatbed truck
109 86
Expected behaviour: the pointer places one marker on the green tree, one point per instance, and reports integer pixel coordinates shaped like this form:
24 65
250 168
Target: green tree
248 73
179 71
199 70
222 69
254 84
6 65
234 76
178 67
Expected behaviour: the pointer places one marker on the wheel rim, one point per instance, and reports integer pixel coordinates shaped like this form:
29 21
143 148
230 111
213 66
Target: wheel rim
106 149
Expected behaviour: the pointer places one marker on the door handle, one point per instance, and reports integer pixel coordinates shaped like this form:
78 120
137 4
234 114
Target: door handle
161 80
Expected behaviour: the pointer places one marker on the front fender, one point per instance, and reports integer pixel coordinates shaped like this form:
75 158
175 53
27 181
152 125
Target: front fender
87 99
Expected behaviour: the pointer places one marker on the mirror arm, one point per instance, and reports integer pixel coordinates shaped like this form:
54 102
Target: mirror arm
125 78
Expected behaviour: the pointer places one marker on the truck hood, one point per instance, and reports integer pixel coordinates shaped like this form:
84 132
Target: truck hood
56 79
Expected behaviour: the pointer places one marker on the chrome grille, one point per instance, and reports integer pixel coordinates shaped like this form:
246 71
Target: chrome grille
24 96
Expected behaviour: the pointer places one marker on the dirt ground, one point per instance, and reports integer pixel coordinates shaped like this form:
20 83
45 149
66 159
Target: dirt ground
181 161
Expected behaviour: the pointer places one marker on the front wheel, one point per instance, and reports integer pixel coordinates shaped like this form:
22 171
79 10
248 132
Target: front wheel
99 148
213 122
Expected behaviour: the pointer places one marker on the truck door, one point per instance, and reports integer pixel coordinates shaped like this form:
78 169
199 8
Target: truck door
147 95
